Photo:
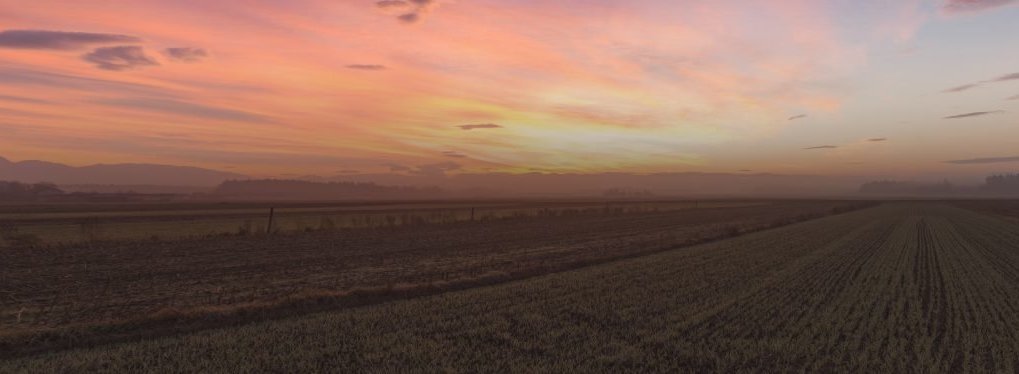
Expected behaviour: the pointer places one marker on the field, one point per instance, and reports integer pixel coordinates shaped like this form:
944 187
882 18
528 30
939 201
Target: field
50 288
71 223
901 287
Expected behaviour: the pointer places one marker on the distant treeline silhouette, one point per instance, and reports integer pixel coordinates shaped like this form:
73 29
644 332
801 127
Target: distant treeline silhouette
1003 184
17 191
995 185
278 189
49 192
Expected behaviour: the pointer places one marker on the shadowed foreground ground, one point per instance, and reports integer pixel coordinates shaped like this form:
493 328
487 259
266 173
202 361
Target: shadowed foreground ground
909 287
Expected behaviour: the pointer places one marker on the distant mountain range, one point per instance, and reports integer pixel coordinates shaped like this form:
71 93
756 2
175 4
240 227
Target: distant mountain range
33 171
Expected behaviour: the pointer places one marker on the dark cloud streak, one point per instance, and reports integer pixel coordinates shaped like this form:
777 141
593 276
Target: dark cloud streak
409 17
1003 78
984 160
187 109
409 11
391 4
962 87
973 114
23 99
823 147
366 67
17 76
479 126
186 54
119 58
968 6
1006 77
58 40
796 117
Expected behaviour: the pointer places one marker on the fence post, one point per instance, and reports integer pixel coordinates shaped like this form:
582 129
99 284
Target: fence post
268 228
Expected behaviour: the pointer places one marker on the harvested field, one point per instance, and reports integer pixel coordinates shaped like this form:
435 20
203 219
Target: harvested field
1004 208
55 287
904 287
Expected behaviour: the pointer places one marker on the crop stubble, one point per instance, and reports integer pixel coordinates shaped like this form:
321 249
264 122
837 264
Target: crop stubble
912 287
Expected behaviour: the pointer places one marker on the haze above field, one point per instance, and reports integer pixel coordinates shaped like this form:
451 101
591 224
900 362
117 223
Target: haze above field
440 92
159 178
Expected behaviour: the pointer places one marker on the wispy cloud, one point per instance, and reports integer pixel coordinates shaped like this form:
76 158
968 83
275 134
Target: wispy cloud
973 114
187 109
58 40
454 154
962 87
409 11
796 117
1006 77
823 147
20 99
985 160
409 17
392 4
1016 97
119 58
366 67
967 6
186 54
30 77
877 139
479 126
1003 78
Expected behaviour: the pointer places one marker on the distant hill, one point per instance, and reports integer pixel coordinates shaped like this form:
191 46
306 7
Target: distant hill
274 189
33 171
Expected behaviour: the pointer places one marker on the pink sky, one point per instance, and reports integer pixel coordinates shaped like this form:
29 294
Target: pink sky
315 87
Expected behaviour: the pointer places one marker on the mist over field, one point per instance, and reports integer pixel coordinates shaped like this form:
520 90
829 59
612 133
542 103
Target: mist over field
676 184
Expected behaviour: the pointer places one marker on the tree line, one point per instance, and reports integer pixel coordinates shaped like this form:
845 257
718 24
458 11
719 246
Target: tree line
304 190
994 185
17 191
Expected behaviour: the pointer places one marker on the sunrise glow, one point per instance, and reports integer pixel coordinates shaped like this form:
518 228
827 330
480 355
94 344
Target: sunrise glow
314 87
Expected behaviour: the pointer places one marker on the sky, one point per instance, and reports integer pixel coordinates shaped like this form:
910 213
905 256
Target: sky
906 89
